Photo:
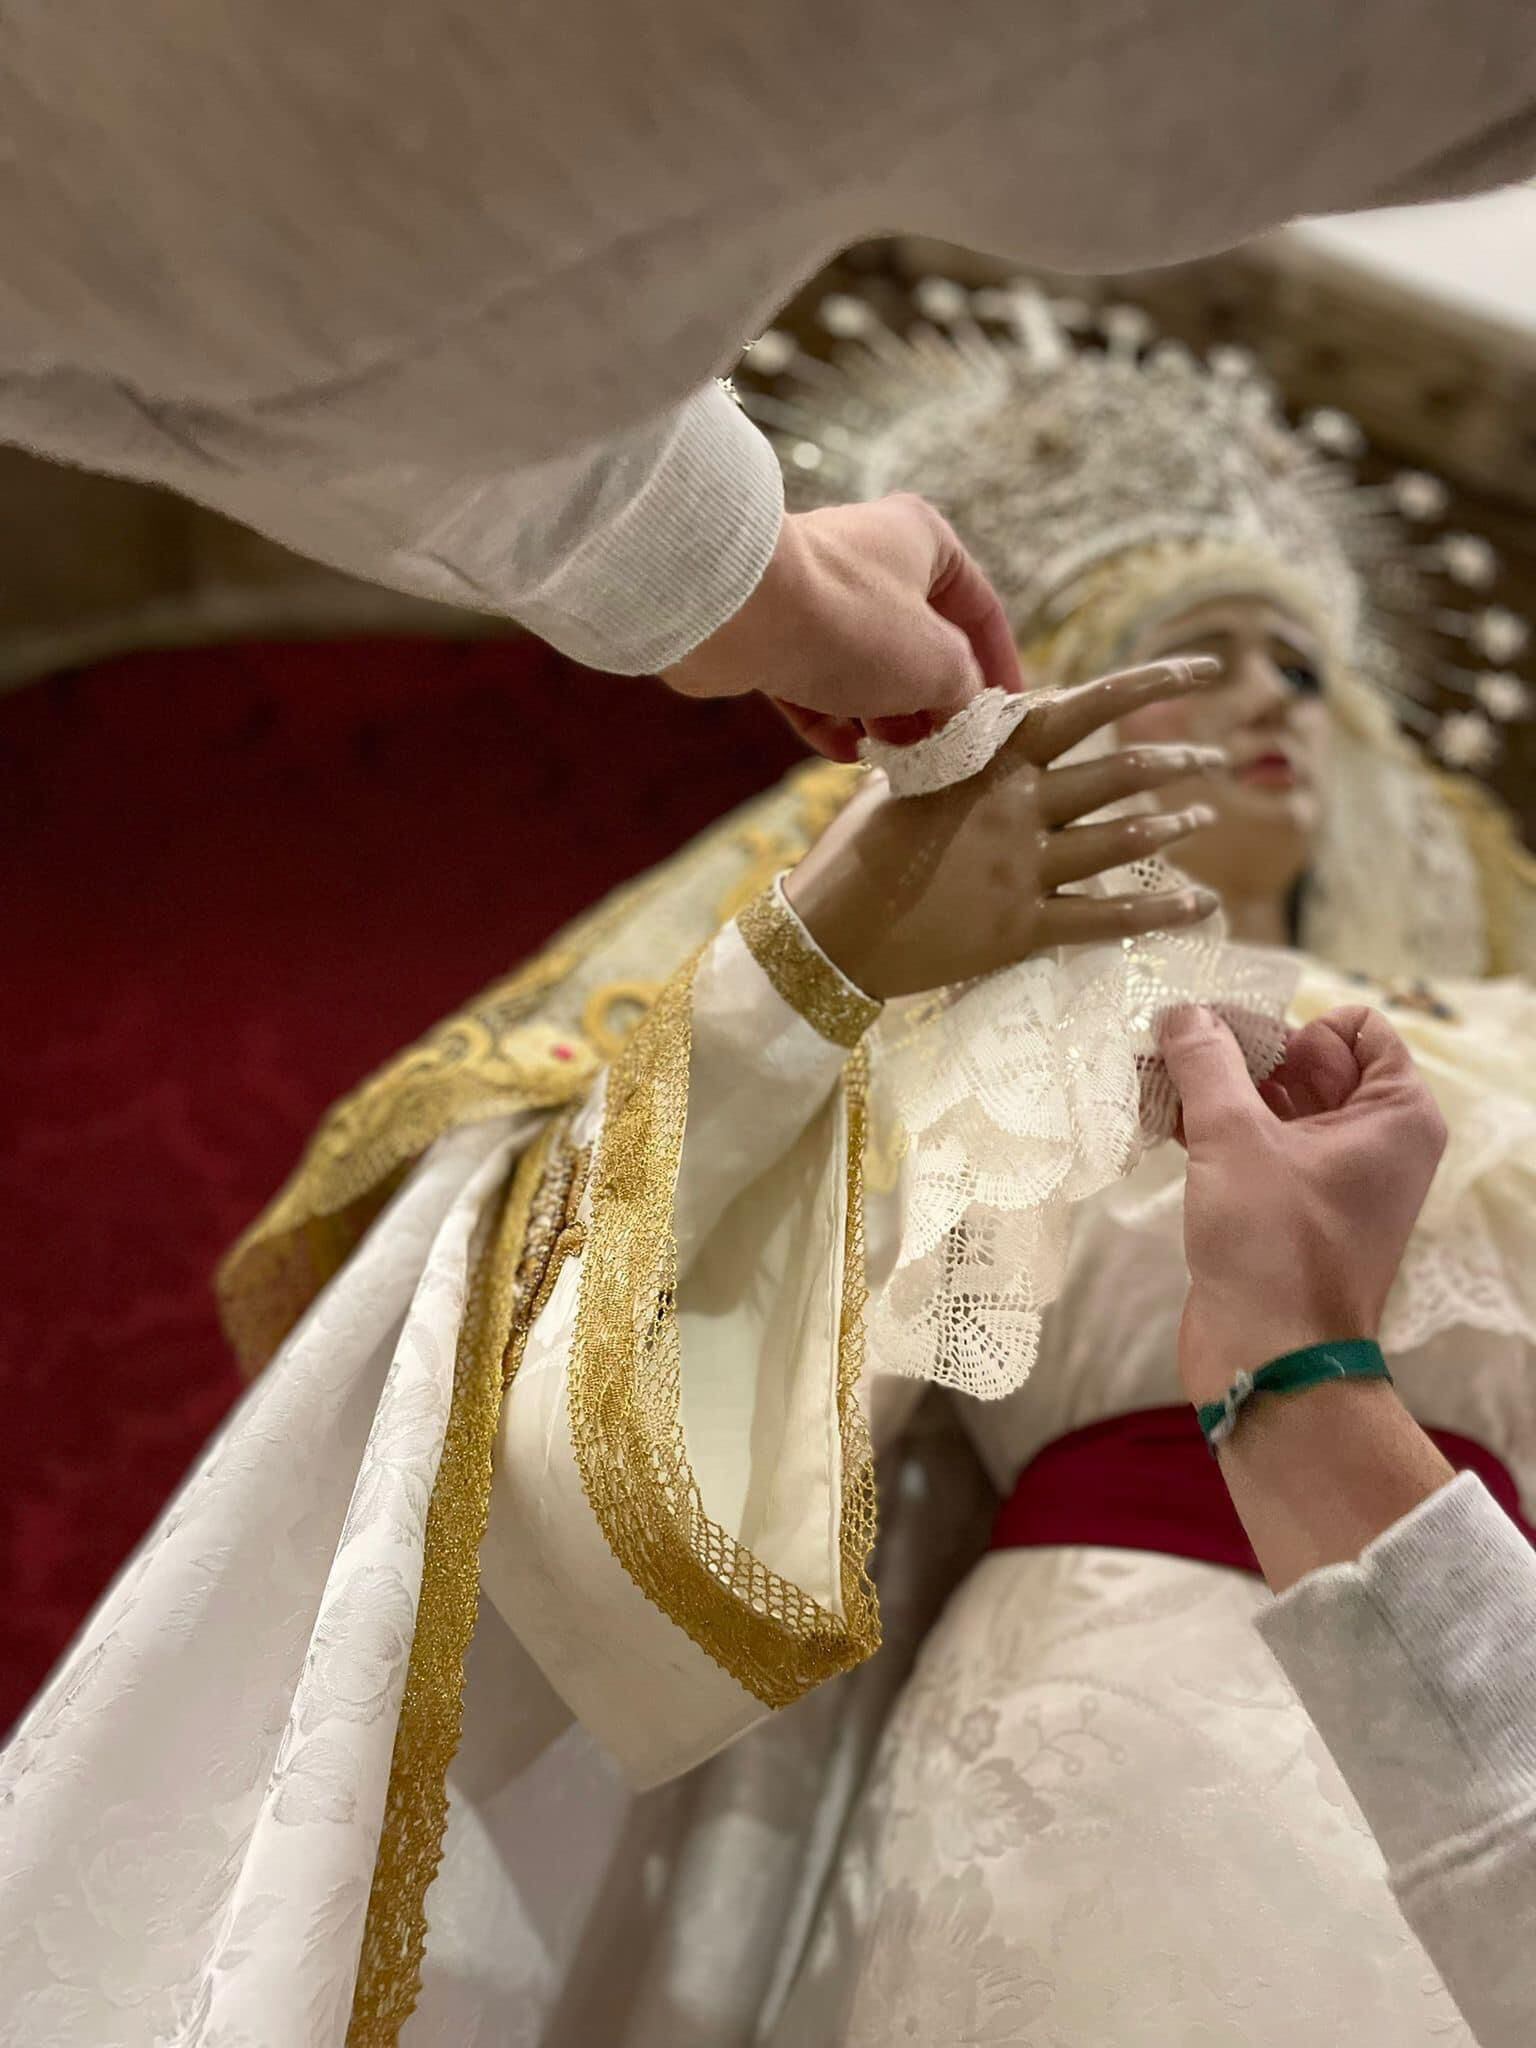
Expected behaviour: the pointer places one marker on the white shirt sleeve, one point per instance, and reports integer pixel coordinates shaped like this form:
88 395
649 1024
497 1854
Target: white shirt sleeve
1418 1665
625 554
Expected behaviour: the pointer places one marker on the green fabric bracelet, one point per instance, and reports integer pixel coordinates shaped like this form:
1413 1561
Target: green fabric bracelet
1357 1358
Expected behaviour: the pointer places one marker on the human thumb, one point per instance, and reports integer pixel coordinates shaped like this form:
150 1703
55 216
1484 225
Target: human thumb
1205 1064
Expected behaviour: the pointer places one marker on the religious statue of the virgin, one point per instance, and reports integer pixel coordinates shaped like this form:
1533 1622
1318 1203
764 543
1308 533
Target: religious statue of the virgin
511 1667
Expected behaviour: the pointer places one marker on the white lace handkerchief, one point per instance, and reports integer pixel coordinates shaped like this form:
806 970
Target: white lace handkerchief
958 750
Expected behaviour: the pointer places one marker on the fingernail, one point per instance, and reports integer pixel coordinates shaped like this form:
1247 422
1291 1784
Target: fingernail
1198 815
904 729
1198 666
1210 757
1204 901
1186 1017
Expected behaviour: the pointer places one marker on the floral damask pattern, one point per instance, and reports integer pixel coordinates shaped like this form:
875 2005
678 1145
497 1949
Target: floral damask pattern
221 1904
940 1970
361 1642
1098 1814
313 1781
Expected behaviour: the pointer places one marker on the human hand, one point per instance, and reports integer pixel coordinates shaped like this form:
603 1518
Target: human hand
921 892
1302 1192
865 613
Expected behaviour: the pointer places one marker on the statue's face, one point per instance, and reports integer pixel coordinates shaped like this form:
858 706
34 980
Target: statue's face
1270 716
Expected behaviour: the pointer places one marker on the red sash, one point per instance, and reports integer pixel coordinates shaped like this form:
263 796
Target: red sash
1147 1482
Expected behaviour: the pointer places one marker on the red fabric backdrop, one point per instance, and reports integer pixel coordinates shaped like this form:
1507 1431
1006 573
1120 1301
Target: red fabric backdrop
234 881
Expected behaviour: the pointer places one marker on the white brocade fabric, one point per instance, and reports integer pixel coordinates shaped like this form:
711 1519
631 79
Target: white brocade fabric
188 1815
1099 1815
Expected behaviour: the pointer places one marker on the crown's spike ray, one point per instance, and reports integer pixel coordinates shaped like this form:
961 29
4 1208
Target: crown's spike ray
788 368
773 353
1410 711
1419 496
1500 636
1467 741
1503 696
845 316
851 319
943 354
1232 365
800 421
1468 559
949 306
1173 359
942 300
1127 330
991 302
1335 433
1037 329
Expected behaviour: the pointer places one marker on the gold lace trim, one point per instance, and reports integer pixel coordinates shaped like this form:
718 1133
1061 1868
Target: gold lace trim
513 1271
625 1394
520 1045
859 1515
805 978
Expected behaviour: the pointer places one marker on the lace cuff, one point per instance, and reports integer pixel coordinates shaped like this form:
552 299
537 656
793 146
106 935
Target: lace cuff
997 1109
801 972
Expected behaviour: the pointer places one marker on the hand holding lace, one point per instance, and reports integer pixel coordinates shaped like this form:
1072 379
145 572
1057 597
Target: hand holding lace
1302 1191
